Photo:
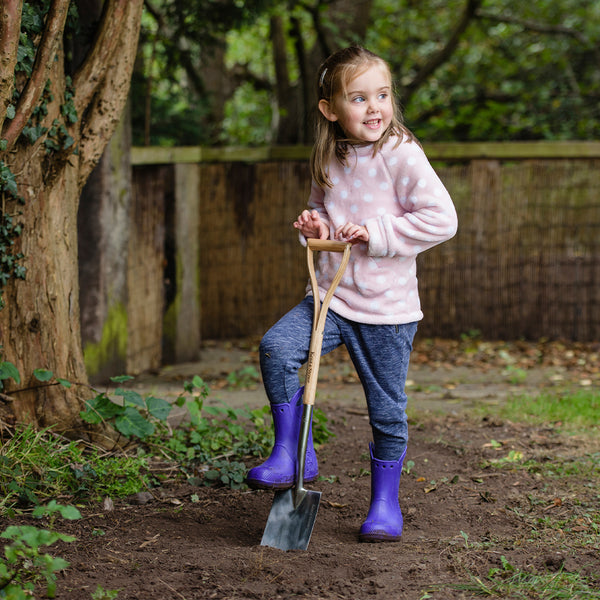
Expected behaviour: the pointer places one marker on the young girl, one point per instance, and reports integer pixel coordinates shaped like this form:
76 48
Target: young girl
372 186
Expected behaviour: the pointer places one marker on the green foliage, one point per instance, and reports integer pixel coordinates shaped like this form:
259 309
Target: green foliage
177 38
8 371
209 447
55 139
37 466
25 566
10 230
244 378
519 71
134 416
509 581
248 118
101 594
579 410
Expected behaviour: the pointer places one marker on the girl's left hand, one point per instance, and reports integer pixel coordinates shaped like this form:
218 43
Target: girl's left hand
350 232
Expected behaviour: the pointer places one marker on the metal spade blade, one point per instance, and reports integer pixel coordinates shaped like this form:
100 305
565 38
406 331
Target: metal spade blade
290 527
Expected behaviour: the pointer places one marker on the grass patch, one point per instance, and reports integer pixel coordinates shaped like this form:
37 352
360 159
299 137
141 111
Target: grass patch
569 411
511 582
36 466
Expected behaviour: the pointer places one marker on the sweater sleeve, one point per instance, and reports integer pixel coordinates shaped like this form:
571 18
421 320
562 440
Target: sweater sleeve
425 213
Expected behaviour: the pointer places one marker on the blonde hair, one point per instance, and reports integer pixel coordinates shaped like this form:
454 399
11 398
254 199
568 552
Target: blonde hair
331 142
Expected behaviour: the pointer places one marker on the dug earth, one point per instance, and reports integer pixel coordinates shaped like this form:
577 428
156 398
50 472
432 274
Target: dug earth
469 524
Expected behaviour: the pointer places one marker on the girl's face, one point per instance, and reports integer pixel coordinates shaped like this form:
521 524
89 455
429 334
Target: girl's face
365 110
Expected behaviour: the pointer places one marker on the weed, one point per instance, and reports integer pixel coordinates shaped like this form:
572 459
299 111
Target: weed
134 416
101 594
244 378
208 448
25 566
515 375
509 581
408 466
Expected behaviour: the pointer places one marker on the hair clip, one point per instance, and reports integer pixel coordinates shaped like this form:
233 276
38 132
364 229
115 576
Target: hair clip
322 77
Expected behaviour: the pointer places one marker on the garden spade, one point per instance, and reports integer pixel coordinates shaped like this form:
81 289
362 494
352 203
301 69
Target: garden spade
294 511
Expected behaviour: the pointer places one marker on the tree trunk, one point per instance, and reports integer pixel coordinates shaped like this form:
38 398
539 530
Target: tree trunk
103 231
41 318
40 324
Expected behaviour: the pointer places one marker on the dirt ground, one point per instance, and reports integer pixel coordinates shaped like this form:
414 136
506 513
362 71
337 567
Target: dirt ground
461 517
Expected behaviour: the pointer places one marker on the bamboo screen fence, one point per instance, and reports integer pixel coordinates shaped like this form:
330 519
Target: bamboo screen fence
524 264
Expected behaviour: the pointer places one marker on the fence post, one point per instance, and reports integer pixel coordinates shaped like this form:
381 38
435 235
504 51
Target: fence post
186 307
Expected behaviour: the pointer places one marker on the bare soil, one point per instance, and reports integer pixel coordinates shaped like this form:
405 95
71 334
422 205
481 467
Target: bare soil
461 516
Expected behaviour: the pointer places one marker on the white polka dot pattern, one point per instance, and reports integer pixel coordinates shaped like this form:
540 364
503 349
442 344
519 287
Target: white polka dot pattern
406 209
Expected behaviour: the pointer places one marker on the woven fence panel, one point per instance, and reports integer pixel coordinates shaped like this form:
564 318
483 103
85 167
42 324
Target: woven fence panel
526 260
146 264
251 269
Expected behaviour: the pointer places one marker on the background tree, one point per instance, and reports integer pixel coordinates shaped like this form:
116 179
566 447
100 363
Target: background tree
464 69
63 89
180 72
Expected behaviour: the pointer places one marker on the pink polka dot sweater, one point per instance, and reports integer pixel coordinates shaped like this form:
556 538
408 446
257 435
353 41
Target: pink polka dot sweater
406 209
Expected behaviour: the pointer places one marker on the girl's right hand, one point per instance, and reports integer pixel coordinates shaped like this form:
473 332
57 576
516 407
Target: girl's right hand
310 225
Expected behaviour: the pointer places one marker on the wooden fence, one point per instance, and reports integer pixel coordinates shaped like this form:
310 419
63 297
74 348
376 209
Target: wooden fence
524 264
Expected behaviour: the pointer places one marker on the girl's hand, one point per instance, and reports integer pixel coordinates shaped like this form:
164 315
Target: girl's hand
352 233
310 225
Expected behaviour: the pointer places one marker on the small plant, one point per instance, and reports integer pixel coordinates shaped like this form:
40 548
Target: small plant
102 594
8 371
408 466
515 375
133 416
25 566
210 445
244 378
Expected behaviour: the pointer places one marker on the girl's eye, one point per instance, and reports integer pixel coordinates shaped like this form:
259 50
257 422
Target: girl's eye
358 99
383 96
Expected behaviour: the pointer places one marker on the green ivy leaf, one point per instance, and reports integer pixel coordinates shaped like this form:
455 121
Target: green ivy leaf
43 374
132 423
104 407
131 396
8 370
121 378
158 407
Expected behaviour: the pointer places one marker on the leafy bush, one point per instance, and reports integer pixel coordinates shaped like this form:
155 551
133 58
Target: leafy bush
24 565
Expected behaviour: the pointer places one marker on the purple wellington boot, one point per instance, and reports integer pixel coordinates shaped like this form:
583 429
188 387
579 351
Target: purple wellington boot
384 521
278 472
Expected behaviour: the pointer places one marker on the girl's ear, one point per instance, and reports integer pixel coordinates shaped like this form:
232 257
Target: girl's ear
326 110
